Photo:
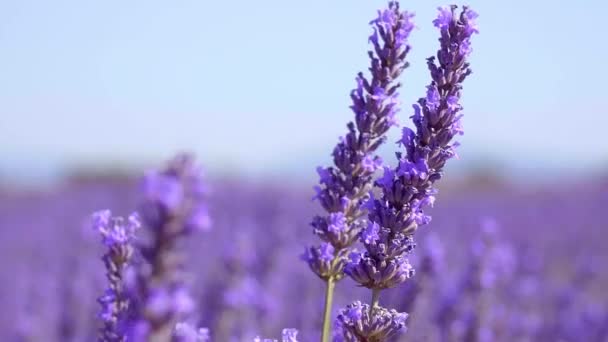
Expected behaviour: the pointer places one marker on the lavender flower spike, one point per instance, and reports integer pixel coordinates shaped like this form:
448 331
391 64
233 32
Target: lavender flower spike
174 207
345 186
408 189
117 234
360 322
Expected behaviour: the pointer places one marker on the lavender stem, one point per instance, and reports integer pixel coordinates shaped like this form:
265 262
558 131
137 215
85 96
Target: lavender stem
375 301
344 187
375 297
329 296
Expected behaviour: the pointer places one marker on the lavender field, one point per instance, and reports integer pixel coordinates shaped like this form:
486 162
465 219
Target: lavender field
500 263
383 242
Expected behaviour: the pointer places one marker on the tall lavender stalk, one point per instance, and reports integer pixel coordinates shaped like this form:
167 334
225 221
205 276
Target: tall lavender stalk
117 234
409 188
344 186
174 208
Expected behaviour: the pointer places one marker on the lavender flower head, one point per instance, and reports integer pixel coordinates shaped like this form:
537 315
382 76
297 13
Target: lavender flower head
357 323
409 188
289 335
176 194
384 264
431 261
344 186
174 207
117 234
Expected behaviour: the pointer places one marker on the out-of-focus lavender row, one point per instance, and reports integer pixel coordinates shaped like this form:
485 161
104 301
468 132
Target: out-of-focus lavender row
506 263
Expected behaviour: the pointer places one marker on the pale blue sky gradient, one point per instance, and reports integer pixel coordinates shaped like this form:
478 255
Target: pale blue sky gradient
263 85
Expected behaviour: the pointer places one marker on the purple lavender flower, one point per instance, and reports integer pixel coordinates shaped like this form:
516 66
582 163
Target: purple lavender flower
382 265
176 194
344 186
491 262
174 207
360 322
431 262
408 189
289 335
117 234
371 234
322 259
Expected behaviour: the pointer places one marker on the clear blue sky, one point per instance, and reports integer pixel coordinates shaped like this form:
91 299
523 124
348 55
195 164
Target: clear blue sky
263 85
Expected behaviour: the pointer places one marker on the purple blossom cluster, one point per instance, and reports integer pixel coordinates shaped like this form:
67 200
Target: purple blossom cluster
149 301
344 186
173 208
117 234
387 233
360 322
409 188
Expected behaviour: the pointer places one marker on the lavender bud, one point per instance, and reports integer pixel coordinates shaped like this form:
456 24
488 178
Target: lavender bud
358 322
324 262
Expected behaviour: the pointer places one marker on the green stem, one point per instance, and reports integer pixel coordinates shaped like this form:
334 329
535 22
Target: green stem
375 299
329 296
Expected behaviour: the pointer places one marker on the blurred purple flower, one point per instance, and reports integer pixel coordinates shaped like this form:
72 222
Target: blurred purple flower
287 335
163 189
185 332
174 207
115 231
117 234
